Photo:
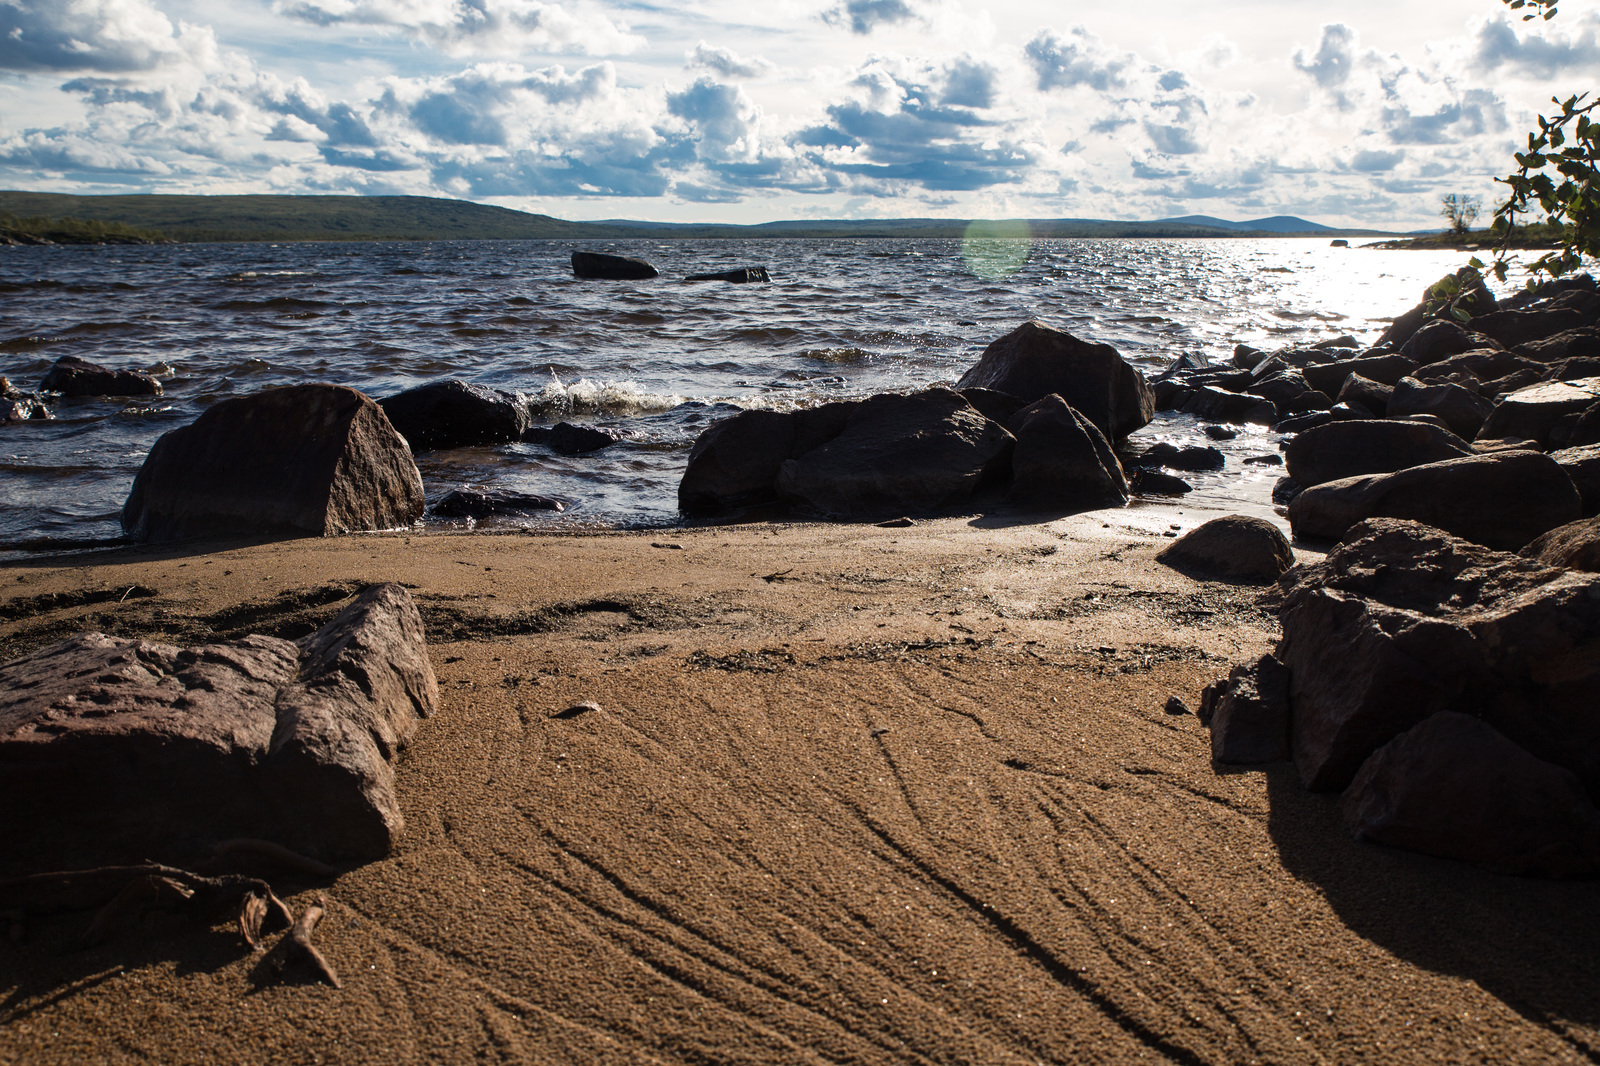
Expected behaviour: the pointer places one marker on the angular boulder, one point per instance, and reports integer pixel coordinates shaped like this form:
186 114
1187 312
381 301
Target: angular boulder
1582 466
1566 311
1502 500
1372 395
1534 411
1249 714
1454 787
1464 290
1575 546
1062 462
1327 378
1350 448
1463 410
567 438
1035 360
456 414
1237 546
605 267
1571 344
735 461
127 750
898 454
1440 339
303 459
1220 405
71 376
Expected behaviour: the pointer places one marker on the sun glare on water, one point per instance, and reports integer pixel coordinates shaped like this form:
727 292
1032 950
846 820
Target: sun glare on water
996 250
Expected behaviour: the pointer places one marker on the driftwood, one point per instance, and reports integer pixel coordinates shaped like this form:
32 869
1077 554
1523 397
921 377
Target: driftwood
296 947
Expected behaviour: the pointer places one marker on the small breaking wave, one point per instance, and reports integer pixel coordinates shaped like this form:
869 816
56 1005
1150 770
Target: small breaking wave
588 397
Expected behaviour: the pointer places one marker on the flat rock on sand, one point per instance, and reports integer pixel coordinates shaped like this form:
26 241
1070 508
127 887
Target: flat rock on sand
850 794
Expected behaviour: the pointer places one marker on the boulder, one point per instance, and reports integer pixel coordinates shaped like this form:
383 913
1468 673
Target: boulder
1327 378
456 414
1062 461
1575 546
1454 787
1220 405
1441 339
1570 344
1502 500
898 454
114 749
472 503
1585 429
734 462
1236 546
1369 394
739 275
1464 290
1144 482
71 376
1482 364
1582 466
1403 621
1533 412
1463 410
1035 360
604 267
1249 714
1338 450
303 459
1570 310
995 406
565 438
1164 453
1301 423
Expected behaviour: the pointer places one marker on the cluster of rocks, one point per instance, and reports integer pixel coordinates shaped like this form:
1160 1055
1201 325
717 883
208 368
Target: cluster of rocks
121 750
71 376
1445 688
605 267
1036 418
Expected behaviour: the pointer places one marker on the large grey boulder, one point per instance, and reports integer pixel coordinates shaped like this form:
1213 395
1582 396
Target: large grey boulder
126 750
1036 359
1367 446
898 454
1501 500
1534 411
457 414
303 459
1235 546
1454 787
735 461
1404 621
1062 462
71 376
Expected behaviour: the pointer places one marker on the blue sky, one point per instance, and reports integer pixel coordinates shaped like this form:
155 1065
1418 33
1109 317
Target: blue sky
1360 113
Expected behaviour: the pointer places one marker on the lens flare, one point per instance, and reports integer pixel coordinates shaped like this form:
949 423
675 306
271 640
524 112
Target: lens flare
996 250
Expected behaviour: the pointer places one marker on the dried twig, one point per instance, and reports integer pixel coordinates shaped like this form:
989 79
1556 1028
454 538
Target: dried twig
297 946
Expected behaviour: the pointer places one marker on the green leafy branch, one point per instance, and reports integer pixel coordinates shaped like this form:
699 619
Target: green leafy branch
1559 173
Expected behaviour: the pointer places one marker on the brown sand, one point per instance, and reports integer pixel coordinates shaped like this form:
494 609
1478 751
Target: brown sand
851 794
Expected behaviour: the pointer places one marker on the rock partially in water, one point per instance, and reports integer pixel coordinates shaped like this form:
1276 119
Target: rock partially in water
1145 482
123 750
1035 360
1062 462
19 406
605 267
457 414
566 438
735 462
297 460
739 276
1193 459
472 503
71 376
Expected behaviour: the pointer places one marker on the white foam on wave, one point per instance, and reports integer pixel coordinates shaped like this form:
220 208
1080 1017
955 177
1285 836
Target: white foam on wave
588 397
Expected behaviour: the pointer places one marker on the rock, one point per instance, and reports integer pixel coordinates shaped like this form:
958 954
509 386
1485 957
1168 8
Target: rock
1219 405
1463 290
19 406
1155 483
1263 460
1350 411
1301 423
1570 344
1367 446
739 276
71 376
125 750
1502 500
995 406
1518 380
1164 453
1533 412
1220 432
1327 378
1338 242
1452 786
1585 428
1035 360
1463 410
1567 311
1250 717
456 414
735 462
1287 391
1482 364
1246 357
1441 339
898 455
303 459
611 267
1582 467
1403 621
1341 342
1234 545
1284 490
1369 394
1575 546
471 503
564 438
1176 706
1062 461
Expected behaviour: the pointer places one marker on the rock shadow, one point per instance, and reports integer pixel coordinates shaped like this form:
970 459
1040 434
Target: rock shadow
1533 944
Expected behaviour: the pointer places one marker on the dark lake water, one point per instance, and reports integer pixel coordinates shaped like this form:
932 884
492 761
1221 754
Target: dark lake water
661 359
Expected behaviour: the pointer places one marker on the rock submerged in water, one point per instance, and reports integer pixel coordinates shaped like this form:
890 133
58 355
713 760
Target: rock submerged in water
19 406
605 267
71 376
298 460
456 414
118 749
565 438
471 503
738 276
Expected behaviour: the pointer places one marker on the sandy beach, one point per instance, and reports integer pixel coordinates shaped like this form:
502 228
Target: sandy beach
846 793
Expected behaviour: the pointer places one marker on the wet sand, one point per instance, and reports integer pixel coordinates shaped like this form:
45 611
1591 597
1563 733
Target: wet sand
850 794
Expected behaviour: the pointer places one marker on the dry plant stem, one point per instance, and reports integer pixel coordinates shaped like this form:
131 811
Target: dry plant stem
297 945
151 888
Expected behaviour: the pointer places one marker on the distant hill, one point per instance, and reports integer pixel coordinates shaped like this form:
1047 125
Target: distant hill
359 218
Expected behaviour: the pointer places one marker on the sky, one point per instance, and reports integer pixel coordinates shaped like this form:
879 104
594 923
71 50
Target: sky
1360 113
